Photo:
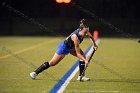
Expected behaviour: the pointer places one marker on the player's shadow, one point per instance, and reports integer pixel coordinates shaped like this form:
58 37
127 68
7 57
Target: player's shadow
117 80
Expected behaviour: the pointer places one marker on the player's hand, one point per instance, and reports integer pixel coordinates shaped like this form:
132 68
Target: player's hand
95 47
86 62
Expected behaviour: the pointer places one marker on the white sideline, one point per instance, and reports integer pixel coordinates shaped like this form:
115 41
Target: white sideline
63 87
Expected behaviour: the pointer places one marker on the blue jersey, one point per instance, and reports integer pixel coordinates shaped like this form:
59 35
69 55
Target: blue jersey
69 42
66 46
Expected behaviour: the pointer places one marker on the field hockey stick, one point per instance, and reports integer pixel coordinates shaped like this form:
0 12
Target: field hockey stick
87 65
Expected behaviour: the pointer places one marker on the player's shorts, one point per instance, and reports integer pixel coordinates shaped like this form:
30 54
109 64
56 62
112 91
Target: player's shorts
63 49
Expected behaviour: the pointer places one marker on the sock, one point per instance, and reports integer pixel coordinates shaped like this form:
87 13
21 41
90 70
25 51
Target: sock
42 67
81 67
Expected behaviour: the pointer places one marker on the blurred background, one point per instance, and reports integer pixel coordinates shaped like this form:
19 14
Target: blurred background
56 18
30 31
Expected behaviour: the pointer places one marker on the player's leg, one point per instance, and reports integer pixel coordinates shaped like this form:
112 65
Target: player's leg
55 60
81 62
58 56
81 65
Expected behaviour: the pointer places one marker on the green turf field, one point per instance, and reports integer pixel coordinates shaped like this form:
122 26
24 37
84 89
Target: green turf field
114 68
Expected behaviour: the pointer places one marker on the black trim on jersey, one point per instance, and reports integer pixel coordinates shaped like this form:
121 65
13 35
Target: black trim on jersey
69 42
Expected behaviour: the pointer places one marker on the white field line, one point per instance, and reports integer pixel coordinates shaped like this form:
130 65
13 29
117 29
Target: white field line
63 87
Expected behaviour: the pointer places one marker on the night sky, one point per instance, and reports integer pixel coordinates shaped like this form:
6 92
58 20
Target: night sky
49 8
16 14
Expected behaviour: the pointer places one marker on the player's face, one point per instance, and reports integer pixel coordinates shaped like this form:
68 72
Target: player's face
84 31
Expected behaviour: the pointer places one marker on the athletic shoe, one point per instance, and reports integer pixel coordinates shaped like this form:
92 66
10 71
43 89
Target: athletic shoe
83 78
33 75
138 40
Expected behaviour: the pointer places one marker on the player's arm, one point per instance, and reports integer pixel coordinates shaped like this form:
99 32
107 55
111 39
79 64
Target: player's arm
92 39
77 48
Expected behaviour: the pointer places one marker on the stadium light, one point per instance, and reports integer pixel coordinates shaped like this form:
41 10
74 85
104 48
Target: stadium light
59 1
66 1
63 1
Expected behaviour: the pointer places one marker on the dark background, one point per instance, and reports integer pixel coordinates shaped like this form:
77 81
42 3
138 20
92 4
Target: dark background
30 17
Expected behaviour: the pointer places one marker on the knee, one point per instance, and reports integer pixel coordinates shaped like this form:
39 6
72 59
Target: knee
52 63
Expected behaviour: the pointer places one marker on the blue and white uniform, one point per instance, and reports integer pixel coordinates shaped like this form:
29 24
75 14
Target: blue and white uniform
66 46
